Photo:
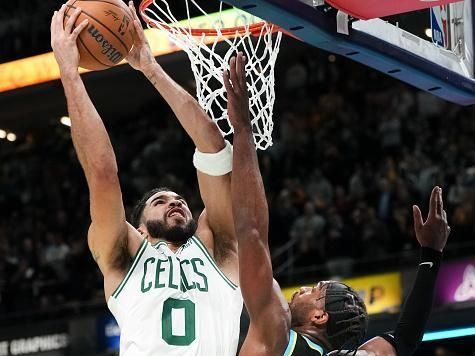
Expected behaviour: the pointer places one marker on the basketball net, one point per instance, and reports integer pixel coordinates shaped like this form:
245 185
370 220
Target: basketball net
201 45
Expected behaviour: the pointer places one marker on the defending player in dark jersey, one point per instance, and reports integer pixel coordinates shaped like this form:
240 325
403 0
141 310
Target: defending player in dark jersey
330 315
318 319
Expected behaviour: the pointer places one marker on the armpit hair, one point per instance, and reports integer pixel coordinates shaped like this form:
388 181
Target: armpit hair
121 258
222 248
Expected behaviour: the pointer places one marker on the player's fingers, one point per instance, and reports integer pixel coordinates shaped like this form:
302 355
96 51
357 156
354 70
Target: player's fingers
134 32
62 9
57 22
416 212
53 22
433 201
438 203
79 28
444 215
133 10
137 24
72 20
441 199
60 18
240 67
52 32
227 84
232 71
140 35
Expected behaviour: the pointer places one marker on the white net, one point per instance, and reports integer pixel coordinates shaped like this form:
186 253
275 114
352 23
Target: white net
210 54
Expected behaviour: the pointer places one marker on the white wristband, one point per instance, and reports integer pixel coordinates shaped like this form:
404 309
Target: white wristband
215 164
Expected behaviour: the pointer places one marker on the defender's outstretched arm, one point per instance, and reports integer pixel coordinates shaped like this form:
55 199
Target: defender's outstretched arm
432 236
262 296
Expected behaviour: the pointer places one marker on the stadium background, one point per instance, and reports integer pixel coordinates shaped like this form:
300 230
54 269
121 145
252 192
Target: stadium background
353 150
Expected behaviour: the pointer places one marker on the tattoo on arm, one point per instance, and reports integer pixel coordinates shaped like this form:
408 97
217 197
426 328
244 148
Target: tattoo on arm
152 79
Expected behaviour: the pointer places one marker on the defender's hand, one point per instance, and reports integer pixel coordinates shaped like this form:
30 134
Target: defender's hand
434 231
140 57
63 39
237 94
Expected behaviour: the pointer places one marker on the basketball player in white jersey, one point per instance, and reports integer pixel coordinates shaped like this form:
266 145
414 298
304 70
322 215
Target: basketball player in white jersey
170 282
329 317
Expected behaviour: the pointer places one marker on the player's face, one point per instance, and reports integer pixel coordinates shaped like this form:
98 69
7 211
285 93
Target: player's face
309 294
168 207
306 302
168 217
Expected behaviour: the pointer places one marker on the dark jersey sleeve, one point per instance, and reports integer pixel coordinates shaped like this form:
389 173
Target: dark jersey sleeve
416 310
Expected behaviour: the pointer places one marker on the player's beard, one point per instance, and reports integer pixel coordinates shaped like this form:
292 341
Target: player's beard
176 234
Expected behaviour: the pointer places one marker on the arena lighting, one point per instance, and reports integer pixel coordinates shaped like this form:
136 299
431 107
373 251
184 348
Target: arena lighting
65 120
449 334
428 32
11 137
3 134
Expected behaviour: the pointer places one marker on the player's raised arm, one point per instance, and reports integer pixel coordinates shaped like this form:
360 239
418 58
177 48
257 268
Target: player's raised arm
213 155
432 236
262 296
108 232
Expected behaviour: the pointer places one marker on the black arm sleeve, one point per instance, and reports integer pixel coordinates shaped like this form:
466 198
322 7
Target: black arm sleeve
417 307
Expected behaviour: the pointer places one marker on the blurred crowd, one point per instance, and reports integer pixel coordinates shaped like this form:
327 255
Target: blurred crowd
24 28
353 151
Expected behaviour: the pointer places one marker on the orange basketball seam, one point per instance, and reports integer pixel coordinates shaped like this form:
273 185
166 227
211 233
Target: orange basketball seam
108 29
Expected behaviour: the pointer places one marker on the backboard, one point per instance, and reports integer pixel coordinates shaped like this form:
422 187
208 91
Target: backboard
352 28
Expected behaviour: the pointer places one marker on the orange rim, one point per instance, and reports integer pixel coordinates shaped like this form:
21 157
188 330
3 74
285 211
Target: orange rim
254 29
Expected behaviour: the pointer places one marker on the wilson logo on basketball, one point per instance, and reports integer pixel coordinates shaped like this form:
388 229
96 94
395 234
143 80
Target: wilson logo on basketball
107 49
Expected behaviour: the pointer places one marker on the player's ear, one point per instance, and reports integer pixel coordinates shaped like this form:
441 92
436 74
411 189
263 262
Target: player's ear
319 317
142 231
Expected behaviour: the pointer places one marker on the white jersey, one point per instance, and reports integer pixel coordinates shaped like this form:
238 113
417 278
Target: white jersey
176 304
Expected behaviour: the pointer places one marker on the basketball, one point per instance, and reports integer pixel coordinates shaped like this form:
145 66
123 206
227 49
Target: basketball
108 36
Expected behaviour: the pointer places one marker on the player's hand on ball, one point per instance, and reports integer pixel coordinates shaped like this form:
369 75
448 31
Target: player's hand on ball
63 38
140 57
435 230
237 94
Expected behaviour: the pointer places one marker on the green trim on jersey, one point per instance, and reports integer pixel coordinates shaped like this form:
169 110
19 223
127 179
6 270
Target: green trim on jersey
203 248
313 345
136 259
157 245
292 342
